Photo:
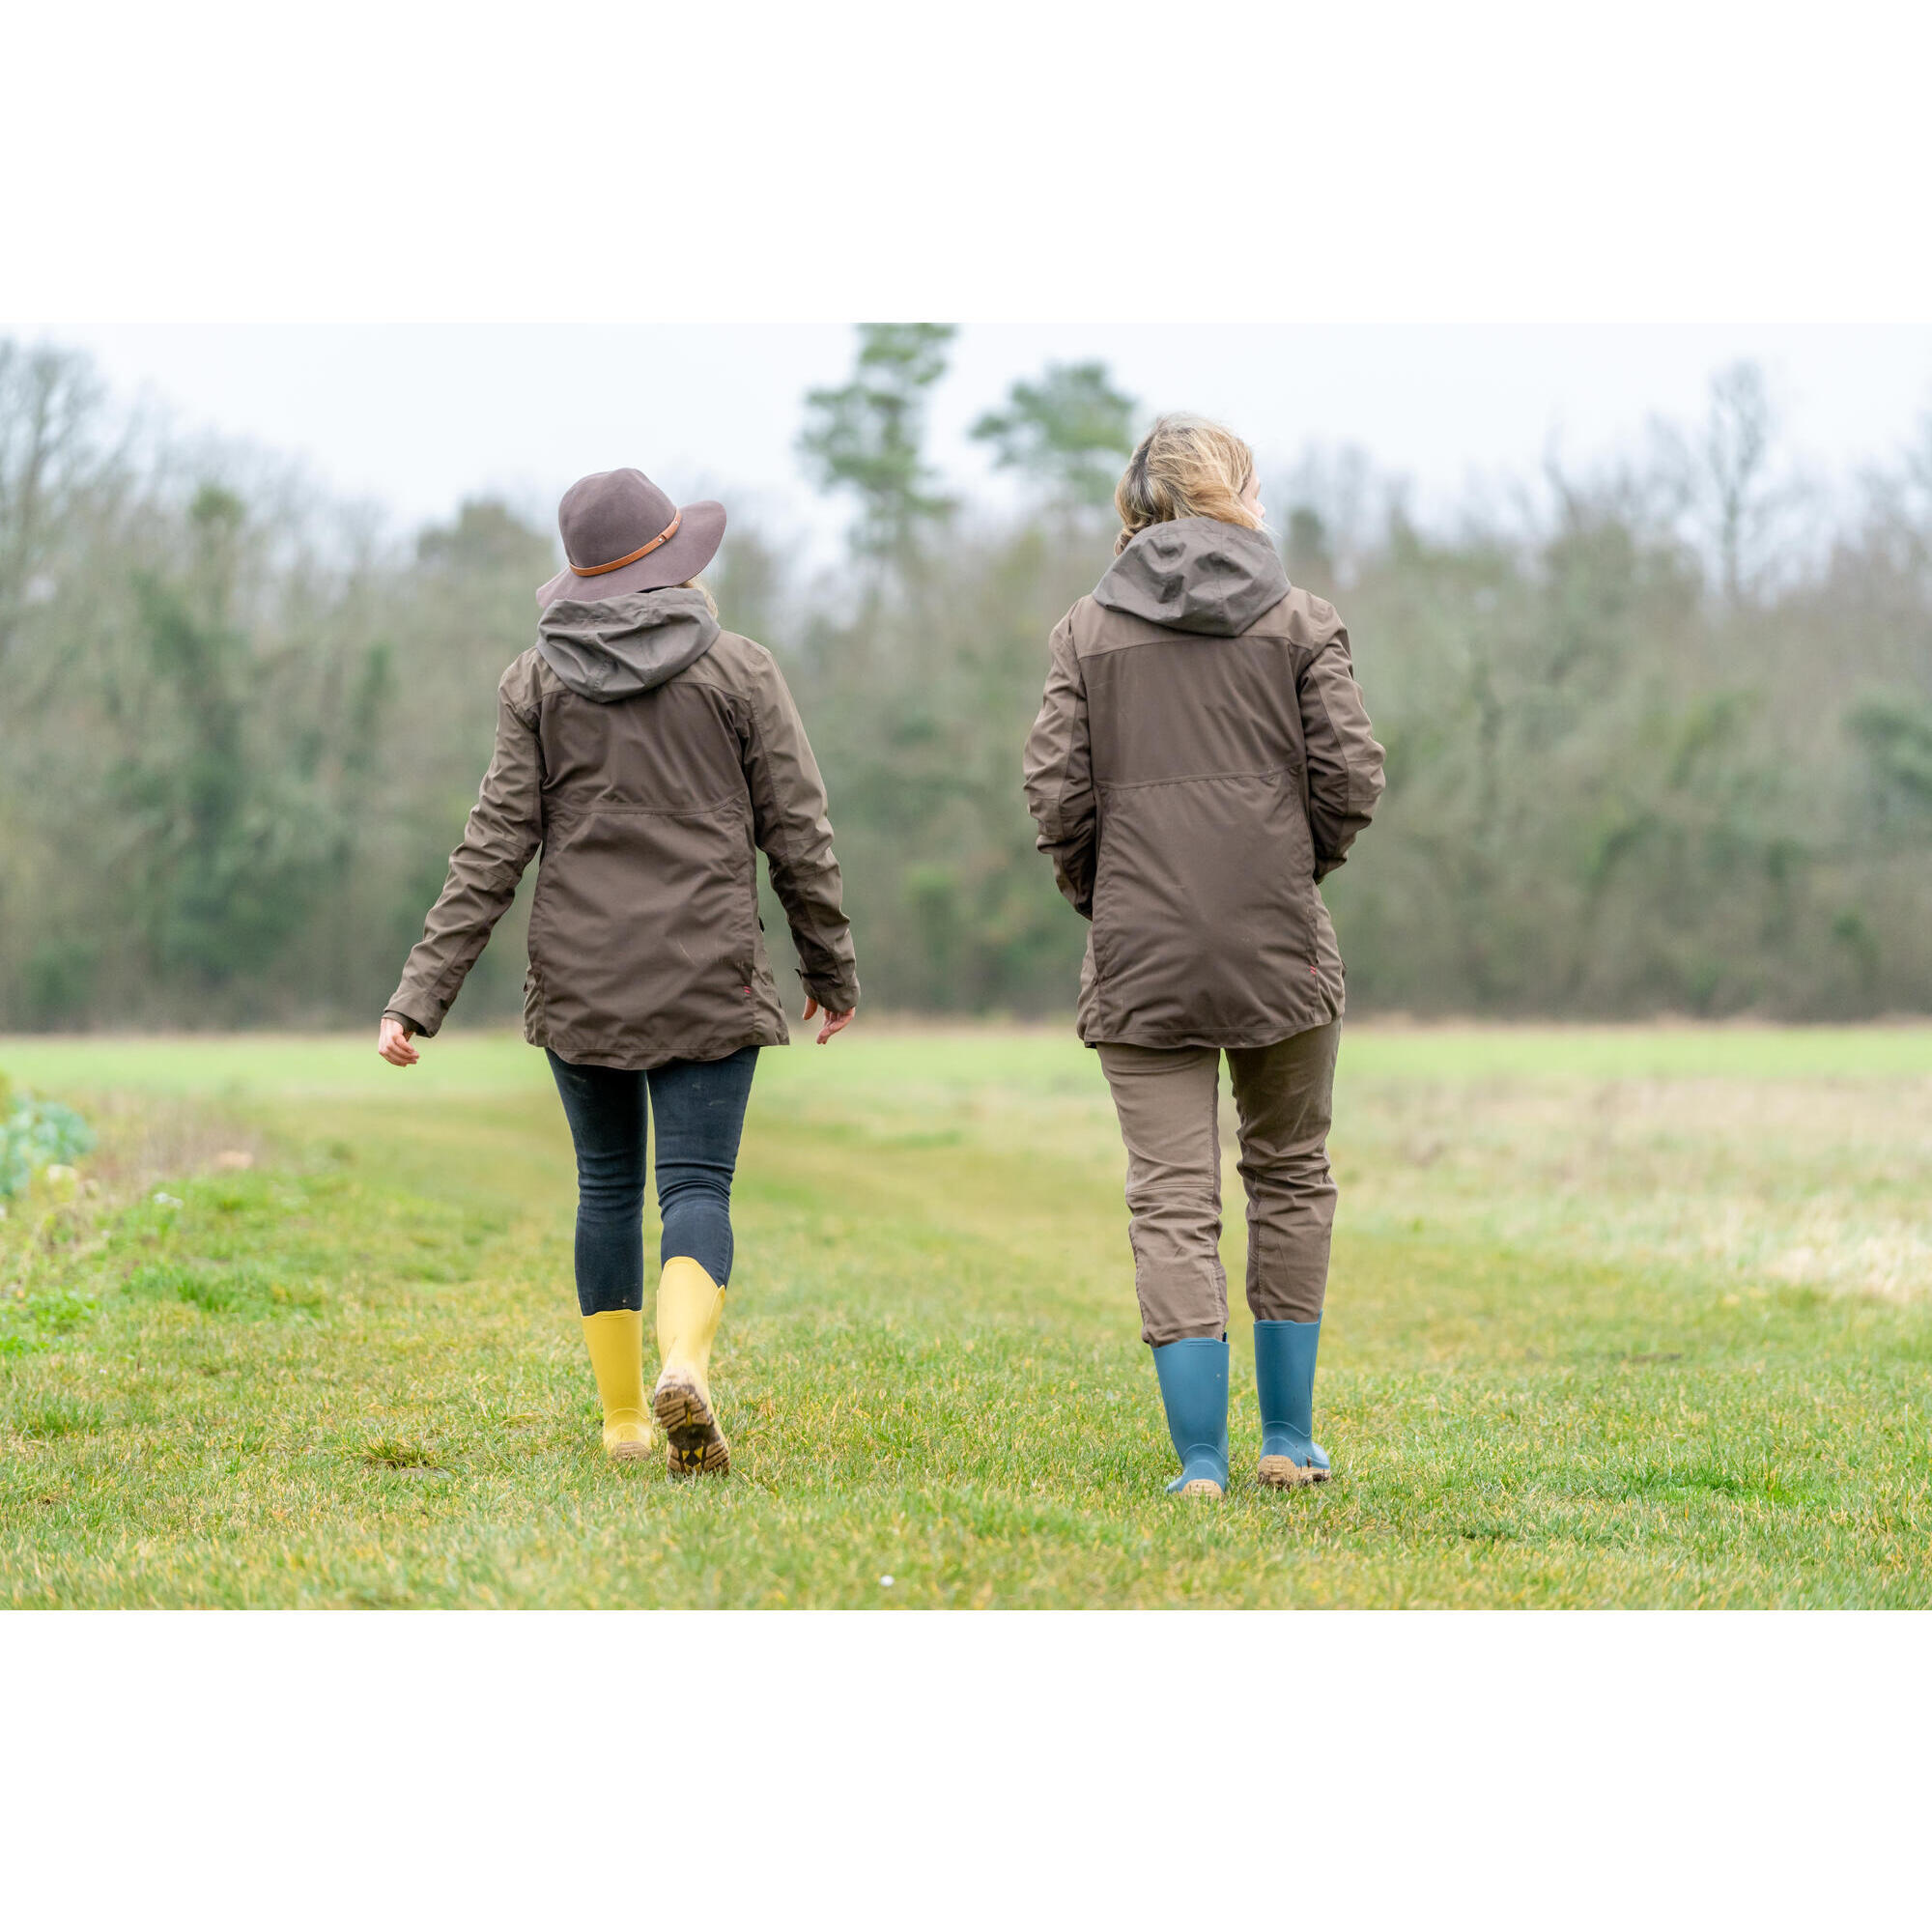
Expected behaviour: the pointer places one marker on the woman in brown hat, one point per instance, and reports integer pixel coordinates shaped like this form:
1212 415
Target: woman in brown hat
650 755
1200 761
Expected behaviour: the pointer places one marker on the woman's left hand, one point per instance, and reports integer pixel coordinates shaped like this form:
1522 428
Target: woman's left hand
833 1022
392 1042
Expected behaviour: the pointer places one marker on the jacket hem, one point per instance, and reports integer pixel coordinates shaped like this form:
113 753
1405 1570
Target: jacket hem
636 1058
1234 1038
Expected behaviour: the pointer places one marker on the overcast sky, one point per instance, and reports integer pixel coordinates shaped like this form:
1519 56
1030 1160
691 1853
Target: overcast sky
418 416
358 258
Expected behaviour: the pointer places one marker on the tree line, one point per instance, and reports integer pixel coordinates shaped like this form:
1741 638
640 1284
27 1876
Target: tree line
1659 735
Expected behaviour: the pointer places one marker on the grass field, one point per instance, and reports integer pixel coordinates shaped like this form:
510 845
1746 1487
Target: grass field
1617 1318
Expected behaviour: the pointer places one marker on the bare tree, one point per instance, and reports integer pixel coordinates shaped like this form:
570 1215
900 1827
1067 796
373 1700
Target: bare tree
49 403
1724 477
1737 445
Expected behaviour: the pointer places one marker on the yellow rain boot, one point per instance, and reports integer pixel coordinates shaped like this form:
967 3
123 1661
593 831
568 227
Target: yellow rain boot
615 1340
689 1305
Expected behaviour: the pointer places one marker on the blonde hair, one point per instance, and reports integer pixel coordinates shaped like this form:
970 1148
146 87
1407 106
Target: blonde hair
1185 466
703 589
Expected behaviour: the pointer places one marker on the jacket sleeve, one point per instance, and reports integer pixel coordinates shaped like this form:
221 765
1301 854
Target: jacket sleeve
1059 775
1345 763
504 831
789 821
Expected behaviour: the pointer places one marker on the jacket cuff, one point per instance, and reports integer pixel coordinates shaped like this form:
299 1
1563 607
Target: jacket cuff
835 996
425 1030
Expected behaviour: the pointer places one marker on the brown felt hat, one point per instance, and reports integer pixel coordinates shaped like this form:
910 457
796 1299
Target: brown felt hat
622 534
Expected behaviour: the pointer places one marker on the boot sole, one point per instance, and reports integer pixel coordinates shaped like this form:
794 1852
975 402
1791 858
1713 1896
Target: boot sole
1201 1486
696 1446
631 1452
1279 1473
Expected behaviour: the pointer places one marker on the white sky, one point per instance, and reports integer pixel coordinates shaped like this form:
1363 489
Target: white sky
433 250
416 416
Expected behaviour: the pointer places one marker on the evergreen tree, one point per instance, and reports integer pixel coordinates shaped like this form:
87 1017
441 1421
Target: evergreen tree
1067 433
867 436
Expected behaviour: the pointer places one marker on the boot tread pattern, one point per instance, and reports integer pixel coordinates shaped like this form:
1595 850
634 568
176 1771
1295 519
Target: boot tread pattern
696 1446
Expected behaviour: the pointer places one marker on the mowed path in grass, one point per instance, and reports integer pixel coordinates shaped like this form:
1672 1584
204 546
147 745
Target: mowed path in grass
1618 1317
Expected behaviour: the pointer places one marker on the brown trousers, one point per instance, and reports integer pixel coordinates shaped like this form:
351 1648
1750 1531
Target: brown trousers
1168 1101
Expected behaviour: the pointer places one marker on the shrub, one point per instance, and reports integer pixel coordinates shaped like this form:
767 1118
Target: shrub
35 1134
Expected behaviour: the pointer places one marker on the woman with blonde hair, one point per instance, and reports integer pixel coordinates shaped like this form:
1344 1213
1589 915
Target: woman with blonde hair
650 754
1200 761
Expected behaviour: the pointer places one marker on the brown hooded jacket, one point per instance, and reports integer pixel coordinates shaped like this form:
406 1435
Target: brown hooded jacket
1201 758
650 756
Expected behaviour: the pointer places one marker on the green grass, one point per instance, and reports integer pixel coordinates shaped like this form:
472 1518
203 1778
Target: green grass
1618 1317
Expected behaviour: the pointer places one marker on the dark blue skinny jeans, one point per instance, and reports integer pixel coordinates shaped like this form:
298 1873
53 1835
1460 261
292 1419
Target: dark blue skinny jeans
699 1109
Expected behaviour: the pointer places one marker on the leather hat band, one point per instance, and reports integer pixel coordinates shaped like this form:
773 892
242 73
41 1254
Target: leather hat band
663 536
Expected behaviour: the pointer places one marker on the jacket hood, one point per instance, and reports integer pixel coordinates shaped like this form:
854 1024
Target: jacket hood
1195 574
620 647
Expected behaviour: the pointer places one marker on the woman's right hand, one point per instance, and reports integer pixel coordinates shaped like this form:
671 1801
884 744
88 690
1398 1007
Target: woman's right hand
393 1041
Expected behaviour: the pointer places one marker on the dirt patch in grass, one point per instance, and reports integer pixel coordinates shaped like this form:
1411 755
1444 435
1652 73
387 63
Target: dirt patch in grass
405 1458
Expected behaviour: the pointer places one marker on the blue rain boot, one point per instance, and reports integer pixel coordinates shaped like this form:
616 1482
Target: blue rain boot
1194 1392
1285 1384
